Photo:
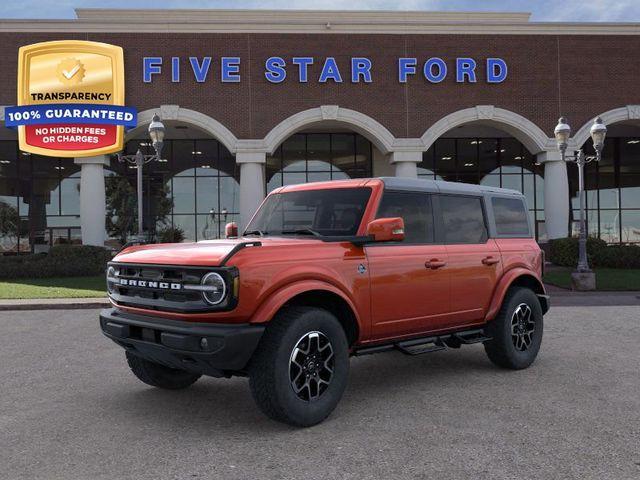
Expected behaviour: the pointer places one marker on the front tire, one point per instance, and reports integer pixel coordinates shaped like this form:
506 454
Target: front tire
158 375
299 371
516 331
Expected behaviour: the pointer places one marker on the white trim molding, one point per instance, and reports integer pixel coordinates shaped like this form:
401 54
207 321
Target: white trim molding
373 130
531 136
622 114
200 120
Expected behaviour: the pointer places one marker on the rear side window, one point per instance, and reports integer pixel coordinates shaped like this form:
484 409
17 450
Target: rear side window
511 217
415 210
463 219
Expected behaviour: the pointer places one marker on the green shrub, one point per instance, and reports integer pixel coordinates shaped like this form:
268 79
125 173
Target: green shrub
564 252
618 256
171 235
61 261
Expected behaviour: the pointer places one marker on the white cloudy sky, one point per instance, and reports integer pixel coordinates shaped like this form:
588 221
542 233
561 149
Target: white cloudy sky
542 10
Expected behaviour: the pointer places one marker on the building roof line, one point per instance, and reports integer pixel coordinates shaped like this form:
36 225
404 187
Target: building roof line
98 20
62 27
270 15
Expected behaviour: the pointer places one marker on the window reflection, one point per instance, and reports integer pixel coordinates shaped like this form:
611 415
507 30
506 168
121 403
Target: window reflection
494 162
317 157
39 199
612 191
200 180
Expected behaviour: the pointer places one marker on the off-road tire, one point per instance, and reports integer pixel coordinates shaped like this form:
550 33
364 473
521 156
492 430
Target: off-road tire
502 349
269 369
158 375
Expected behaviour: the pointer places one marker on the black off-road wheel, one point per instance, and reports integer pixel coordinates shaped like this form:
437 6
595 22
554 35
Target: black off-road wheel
299 371
516 331
158 375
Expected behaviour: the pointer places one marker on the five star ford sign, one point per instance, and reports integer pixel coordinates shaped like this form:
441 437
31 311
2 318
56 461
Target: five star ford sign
70 99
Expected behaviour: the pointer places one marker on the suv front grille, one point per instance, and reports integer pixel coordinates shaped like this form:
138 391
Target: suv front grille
161 287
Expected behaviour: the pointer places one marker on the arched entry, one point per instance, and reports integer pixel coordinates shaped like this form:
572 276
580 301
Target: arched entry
327 116
325 143
493 147
175 113
194 188
527 132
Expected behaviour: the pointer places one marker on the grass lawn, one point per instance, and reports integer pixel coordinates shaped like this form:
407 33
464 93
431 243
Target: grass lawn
606 278
71 287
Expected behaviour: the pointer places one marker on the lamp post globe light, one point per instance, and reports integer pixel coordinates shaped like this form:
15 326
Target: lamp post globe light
583 278
156 134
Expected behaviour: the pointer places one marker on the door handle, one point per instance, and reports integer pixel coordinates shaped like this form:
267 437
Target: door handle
434 264
490 260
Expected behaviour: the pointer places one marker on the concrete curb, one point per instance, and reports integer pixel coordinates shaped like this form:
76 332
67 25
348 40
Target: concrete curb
53 304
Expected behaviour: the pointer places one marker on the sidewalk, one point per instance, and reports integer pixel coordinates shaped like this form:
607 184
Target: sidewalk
561 297
53 304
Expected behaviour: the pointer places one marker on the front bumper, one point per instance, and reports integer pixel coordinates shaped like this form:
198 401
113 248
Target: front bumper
209 349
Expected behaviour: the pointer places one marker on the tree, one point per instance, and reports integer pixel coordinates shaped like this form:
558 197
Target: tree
122 208
9 221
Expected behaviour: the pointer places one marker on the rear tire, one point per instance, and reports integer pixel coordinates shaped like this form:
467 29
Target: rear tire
299 371
516 331
160 376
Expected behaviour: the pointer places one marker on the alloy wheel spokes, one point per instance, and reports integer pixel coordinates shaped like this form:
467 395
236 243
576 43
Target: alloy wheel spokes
311 366
522 327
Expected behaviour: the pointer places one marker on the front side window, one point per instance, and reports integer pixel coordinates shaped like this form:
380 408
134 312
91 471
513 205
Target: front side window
511 217
326 212
414 209
463 219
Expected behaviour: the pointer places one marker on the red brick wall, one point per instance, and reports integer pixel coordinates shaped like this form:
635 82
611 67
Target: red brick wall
578 76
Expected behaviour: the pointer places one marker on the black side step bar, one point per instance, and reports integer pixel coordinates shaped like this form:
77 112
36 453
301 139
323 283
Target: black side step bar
471 336
418 346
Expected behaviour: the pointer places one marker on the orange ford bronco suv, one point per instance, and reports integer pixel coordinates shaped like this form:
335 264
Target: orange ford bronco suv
328 270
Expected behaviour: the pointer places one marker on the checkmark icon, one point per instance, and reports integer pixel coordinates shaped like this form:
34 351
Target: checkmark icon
71 73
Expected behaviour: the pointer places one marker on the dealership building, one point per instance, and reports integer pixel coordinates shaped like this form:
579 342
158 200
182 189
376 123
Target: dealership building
253 100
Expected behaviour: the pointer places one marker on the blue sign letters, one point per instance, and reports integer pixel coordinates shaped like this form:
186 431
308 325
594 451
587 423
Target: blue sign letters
275 71
496 70
327 70
429 71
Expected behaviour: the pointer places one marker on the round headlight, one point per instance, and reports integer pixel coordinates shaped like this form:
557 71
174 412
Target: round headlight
111 273
215 288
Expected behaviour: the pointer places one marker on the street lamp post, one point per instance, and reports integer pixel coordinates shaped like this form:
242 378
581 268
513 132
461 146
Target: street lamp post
562 133
156 133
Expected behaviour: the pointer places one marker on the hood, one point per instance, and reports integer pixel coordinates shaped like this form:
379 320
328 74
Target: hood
209 253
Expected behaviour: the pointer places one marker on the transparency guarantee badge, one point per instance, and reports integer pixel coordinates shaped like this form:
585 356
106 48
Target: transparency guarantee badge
71 99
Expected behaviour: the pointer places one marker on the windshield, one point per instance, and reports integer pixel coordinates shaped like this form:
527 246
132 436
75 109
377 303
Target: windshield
328 212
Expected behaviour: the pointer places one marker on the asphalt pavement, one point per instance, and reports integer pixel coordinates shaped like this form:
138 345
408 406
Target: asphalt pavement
70 409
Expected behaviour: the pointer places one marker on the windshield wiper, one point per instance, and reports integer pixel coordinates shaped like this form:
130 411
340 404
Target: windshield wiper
254 232
302 231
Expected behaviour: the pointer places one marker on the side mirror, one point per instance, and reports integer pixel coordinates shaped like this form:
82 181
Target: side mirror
386 229
231 230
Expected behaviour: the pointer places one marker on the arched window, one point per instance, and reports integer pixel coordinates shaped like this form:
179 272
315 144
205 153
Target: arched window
314 157
198 178
498 162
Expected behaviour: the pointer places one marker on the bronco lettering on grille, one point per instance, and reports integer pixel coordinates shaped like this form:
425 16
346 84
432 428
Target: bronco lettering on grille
150 284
